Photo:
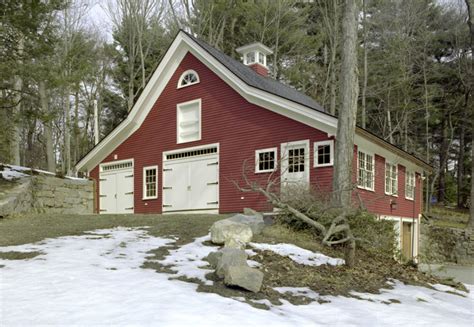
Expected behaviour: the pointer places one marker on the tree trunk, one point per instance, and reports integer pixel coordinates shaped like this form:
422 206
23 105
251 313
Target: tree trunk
342 182
18 86
443 158
76 127
335 40
48 129
461 156
67 133
364 84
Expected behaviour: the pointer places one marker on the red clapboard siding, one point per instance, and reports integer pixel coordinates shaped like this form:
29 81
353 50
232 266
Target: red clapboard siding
241 128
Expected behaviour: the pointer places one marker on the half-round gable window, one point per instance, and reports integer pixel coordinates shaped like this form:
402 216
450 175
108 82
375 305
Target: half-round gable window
188 78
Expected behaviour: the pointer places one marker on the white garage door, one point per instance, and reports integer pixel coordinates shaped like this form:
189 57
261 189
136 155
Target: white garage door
191 180
116 187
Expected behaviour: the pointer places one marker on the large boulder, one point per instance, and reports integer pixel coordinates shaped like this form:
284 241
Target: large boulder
244 277
227 229
213 258
230 257
254 220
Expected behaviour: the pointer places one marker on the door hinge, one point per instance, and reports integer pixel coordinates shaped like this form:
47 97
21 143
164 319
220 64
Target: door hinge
102 210
128 176
102 196
213 164
215 202
167 205
167 188
168 169
213 183
127 193
102 179
131 208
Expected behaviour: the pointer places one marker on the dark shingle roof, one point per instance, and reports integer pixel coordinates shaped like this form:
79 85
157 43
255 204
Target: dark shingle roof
250 77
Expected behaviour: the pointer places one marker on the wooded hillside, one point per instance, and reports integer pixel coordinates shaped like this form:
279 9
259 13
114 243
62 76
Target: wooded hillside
415 70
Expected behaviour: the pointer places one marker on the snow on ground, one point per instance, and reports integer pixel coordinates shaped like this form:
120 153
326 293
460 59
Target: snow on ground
299 255
187 259
10 172
96 279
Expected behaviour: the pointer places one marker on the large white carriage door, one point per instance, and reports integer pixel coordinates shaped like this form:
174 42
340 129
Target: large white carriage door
116 187
191 180
295 164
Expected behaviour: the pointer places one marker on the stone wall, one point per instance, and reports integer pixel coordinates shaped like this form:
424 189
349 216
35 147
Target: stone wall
47 194
58 195
442 244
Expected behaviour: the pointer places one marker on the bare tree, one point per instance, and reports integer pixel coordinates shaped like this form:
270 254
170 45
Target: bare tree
282 195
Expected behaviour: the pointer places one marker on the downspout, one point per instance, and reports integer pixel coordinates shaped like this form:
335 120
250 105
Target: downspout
413 219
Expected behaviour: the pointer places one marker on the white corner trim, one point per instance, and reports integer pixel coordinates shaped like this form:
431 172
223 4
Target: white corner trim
257 161
144 197
189 71
331 153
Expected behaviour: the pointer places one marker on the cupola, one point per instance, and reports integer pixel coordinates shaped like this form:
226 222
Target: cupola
255 56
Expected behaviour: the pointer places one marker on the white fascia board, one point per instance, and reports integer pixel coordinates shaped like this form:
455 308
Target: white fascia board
390 156
141 108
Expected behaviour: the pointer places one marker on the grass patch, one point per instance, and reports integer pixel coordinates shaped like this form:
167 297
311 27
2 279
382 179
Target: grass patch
14 255
449 217
34 228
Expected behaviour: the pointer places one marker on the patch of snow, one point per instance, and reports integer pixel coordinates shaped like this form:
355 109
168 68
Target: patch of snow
9 174
188 259
299 291
253 263
446 288
13 171
250 252
299 255
78 280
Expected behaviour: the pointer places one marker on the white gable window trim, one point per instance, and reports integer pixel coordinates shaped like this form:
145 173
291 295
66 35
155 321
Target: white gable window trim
150 183
188 121
365 170
391 178
188 78
410 185
266 160
327 158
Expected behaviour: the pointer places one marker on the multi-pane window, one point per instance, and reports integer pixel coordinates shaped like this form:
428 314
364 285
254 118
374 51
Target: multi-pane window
188 78
251 57
265 160
391 179
410 185
365 177
323 153
189 121
150 182
296 160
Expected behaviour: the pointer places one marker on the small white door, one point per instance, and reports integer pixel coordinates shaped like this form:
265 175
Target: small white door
191 184
295 164
116 188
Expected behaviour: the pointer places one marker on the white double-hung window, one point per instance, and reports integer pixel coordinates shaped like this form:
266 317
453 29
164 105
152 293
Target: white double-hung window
188 118
410 185
391 179
366 167
150 182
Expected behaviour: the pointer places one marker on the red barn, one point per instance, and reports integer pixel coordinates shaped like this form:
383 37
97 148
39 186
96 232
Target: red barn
202 114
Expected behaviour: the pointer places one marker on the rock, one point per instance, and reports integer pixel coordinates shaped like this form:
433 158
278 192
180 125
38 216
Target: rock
227 229
213 258
234 243
230 257
254 221
245 277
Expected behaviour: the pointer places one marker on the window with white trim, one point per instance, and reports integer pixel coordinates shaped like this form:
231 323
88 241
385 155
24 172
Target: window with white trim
366 166
150 182
265 160
324 153
188 121
410 185
188 78
391 179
